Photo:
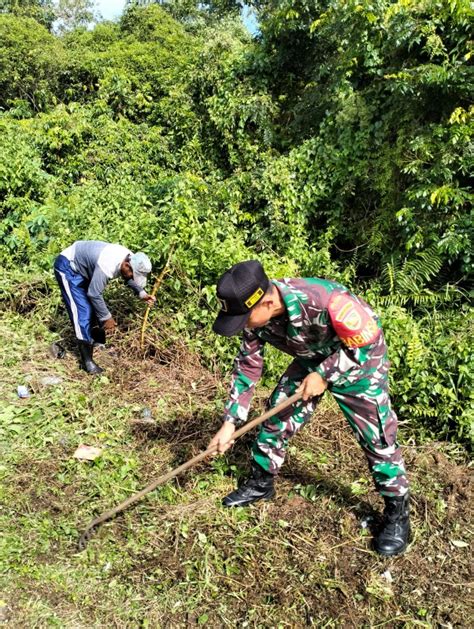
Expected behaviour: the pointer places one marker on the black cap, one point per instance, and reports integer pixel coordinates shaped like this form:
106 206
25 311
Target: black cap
239 290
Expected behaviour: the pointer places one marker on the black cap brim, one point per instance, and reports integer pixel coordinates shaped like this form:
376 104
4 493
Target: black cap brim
230 325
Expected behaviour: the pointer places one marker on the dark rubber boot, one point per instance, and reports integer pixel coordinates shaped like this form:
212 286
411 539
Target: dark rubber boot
85 350
258 487
392 538
98 334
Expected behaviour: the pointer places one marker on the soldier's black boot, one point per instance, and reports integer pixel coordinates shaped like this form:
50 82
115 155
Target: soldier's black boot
85 351
258 487
392 538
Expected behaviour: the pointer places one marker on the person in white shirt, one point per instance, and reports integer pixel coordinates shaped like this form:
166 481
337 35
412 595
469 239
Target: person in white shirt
82 272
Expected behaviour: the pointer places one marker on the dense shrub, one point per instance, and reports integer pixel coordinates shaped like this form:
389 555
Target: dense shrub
433 366
337 144
31 60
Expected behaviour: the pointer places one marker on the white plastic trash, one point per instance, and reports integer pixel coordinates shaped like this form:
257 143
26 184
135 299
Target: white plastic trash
23 392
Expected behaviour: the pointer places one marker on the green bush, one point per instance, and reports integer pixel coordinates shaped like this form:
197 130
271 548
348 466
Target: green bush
23 185
31 61
432 370
337 144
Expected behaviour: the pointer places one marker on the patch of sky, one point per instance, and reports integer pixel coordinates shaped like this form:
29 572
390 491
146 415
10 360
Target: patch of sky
112 9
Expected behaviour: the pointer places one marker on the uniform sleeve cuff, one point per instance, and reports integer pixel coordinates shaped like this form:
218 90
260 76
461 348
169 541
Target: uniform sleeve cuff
234 420
327 376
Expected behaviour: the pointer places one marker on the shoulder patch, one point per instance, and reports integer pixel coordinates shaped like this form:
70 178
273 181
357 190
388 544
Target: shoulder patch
351 322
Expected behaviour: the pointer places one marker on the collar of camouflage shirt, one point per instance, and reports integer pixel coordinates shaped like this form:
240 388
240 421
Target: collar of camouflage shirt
294 301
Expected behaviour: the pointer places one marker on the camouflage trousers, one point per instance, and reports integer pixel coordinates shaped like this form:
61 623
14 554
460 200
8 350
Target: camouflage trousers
365 403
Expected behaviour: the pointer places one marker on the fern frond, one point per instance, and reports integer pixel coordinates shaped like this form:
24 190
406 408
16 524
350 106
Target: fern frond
388 276
425 266
415 349
406 282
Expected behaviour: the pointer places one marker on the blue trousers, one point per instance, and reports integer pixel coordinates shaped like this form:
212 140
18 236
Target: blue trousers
74 293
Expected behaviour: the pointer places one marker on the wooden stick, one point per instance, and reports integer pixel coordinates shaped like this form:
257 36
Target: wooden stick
153 293
107 515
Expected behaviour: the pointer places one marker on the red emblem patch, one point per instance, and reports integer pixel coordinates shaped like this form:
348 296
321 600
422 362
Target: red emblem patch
351 322
349 317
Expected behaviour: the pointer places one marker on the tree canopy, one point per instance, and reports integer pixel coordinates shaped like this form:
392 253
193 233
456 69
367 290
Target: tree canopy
337 142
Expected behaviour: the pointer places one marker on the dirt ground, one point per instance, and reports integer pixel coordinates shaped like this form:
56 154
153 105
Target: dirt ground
180 559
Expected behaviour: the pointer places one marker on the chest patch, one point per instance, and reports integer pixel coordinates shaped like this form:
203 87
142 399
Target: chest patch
351 322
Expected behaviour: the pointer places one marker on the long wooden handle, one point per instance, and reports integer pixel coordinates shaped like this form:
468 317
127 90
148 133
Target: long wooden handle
164 271
107 515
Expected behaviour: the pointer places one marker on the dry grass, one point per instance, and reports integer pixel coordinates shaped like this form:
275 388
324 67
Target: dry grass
179 559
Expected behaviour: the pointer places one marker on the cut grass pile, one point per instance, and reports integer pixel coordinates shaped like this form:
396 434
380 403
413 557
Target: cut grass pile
179 558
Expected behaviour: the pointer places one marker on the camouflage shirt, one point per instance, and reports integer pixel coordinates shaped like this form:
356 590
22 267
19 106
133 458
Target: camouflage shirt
325 327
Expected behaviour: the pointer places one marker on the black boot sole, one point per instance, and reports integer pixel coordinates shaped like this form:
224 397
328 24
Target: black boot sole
93 372
267 496
385 554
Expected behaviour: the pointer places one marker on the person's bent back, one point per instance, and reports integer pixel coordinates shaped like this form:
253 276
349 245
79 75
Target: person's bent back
82 272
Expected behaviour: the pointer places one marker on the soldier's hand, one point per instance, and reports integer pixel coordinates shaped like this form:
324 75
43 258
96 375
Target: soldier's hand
312 385
223 437
109 324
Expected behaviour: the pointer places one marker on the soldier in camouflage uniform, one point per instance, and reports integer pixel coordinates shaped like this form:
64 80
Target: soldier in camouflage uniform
337 343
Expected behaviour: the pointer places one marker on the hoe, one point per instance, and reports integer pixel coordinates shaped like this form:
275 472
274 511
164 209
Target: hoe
107 515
